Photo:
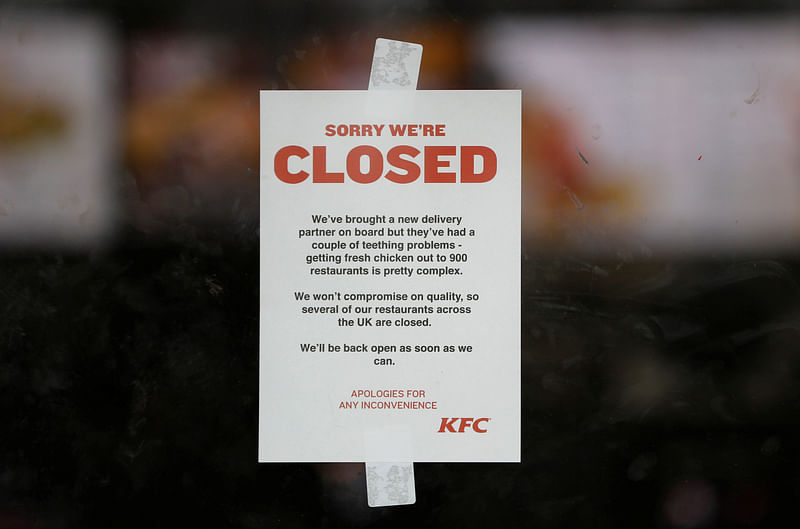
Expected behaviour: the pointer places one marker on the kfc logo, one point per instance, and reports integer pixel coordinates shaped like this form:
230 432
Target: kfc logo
460 424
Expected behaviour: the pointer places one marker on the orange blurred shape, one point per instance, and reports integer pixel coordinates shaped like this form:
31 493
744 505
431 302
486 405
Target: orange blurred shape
203 131
25 119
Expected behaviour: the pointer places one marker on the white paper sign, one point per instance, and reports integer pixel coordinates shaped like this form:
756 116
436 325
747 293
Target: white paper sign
390 280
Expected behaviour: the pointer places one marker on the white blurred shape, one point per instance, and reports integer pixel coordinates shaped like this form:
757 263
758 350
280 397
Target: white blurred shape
58 143
700 116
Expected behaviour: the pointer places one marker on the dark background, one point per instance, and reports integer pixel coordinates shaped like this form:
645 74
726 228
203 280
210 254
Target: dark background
657 392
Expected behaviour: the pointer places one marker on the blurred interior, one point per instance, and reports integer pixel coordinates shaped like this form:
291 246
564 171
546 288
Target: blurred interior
661 221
